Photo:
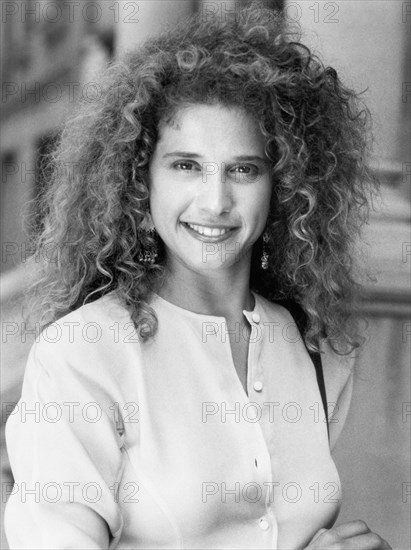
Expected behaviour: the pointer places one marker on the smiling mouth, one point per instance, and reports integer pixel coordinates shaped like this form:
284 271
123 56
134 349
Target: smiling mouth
209 233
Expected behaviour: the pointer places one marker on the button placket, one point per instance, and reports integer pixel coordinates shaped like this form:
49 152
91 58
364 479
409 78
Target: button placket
254 380
257 375
255 317
250 364
258 385
262 462
264 524
253 376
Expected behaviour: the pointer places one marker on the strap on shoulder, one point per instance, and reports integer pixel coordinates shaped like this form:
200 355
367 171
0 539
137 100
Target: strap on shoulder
300 318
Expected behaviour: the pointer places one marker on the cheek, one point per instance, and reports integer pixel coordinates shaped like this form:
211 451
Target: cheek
159 191
167 202
261 198
260 206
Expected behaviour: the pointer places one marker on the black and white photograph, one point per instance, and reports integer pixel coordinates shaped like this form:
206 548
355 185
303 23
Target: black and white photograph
205 274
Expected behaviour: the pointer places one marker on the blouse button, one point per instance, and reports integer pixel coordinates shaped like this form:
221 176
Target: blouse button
255 317
258 386
264 524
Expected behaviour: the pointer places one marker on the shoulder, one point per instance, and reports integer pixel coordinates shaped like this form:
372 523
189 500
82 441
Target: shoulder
87 347
101 312
338 370
91 327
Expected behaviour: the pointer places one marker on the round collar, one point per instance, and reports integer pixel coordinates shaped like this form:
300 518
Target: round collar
251 316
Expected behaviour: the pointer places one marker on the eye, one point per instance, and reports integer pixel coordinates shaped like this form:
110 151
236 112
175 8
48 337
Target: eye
186 166
249 170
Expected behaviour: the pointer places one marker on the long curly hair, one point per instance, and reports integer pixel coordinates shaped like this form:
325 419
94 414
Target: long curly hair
95 207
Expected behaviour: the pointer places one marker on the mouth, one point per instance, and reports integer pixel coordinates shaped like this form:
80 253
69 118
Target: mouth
208 233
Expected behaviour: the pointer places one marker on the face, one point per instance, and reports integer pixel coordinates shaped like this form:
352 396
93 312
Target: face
210 187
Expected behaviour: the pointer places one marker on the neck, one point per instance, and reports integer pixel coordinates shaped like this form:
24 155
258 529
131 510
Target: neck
223 293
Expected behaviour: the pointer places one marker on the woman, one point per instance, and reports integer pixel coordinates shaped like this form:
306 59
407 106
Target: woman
175 405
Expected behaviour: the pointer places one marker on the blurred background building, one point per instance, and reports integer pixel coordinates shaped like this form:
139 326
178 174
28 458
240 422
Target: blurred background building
50 52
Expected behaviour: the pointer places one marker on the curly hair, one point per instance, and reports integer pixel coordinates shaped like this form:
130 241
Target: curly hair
316 131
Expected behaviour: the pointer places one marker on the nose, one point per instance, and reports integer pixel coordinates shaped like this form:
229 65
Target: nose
215 194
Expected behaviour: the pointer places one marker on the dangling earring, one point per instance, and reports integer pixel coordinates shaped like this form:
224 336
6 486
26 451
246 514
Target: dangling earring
148 256
264 257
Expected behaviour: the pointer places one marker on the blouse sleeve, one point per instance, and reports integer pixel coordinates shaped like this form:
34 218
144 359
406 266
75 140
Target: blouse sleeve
65 456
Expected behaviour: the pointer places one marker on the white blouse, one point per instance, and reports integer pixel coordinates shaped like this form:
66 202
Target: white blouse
116 443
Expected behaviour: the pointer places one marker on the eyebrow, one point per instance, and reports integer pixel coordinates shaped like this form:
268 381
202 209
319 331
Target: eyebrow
240 158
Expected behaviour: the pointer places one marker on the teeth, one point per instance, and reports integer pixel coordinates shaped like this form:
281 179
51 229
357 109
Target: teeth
208 231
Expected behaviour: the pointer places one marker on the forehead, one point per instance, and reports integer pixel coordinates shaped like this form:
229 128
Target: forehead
211 128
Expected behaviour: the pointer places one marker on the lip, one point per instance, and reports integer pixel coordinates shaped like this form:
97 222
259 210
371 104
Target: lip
207 239
212 225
